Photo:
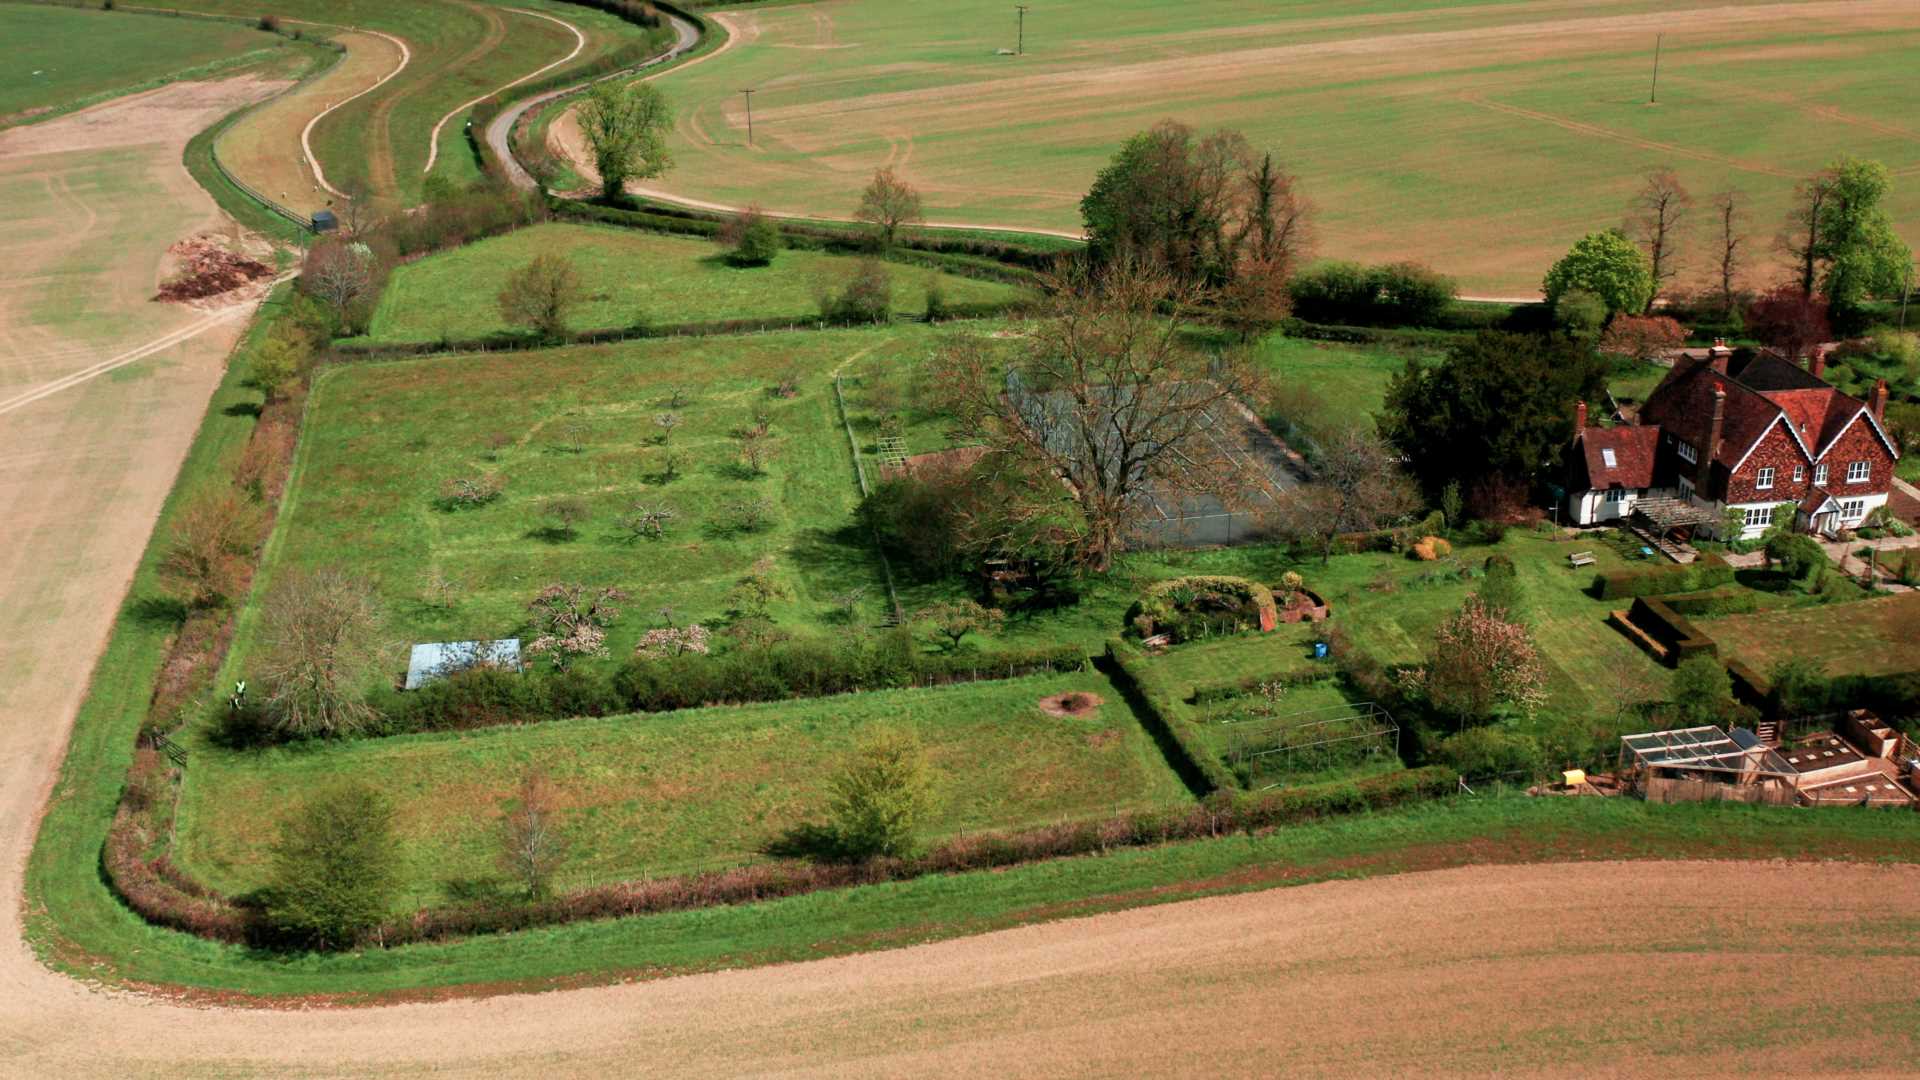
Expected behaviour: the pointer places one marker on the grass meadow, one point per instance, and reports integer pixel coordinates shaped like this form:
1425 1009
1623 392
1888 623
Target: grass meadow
52 58
633 277
676 792
1481 138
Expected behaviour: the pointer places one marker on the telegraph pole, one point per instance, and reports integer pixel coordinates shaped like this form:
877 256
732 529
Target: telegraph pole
1020 47
749 94
1653 95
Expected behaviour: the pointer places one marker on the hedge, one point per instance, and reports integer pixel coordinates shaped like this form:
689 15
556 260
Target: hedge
804 668
1709 603
1707 572
1672 629
1171 720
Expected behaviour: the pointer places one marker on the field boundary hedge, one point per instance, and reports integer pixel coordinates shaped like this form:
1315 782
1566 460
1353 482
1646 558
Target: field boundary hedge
1709 571
1170 719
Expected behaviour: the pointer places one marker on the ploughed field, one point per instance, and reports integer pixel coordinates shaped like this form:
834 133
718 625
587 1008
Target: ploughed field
1481 138
635 278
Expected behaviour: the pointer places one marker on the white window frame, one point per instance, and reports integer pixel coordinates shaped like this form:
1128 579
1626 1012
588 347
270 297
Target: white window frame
1799 473
1686 488
1614 495
1853 509
1759 517
1763 480
1859 472
1686 451
1820 474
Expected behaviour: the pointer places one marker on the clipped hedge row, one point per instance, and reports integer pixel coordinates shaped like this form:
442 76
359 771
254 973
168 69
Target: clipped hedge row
805 668
1171 719
1709 571
1709 603
1672 629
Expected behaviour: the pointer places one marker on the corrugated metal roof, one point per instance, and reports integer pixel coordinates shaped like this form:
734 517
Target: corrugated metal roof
439 659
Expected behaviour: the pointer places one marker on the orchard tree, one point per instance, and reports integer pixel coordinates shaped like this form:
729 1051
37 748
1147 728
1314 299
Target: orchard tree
1608 265
883 796
950 621
1493 414
626 127
1106 394
1654 221
321 647
335 869
889 204
571 620
541 294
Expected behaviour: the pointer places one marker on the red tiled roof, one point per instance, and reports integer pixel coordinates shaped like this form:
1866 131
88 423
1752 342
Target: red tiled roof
1633 452
1683 404
1816 498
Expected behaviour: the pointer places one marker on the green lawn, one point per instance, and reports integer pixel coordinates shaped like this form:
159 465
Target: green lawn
52 59
632 277
675 792
1232 659
1880 636
1350 381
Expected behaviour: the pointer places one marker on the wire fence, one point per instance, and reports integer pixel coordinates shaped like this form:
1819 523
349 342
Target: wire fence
860 474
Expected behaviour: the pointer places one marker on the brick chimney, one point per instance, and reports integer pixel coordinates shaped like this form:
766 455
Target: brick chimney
1719 355
1817 361
1877 400
1703 477
1580 414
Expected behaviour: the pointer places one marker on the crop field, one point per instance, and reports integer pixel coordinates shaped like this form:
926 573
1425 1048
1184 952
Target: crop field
1481 138
1869 637
676 792
633 277
381 439
52 58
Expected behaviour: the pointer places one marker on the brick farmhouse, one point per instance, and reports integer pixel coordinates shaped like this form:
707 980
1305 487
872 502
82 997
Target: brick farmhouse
1748 433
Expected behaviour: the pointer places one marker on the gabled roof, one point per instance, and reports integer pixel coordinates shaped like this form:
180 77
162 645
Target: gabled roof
1762 391
1617 457
1816 501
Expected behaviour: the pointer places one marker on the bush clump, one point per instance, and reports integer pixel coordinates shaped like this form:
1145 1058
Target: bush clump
1185 608
1349 294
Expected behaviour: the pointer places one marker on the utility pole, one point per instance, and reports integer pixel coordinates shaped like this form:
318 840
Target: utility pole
1653 95
749 94
1020 46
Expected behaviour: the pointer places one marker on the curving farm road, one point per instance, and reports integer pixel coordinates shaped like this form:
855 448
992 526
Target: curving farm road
306 133
579 42
500 131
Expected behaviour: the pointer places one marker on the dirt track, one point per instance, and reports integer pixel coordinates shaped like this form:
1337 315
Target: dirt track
1590 969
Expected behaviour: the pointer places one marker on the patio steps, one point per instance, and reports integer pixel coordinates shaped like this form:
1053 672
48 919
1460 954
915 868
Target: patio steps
1679 553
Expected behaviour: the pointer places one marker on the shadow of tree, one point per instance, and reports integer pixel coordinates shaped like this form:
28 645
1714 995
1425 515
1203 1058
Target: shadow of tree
158 611
807 840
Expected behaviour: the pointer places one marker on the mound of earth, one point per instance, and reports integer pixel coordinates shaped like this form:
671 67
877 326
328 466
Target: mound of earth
205 269
1077 703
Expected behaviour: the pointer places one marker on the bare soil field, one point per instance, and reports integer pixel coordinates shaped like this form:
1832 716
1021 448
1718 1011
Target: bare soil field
1597 969
1482 138
263 148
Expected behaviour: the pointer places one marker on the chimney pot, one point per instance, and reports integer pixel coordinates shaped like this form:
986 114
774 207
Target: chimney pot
1580 417
1817 362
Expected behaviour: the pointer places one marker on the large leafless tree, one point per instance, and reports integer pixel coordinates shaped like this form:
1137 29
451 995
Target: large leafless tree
889 204
532 847
1800 240
1730 232
1654 219
1358 486
321 645
1107 396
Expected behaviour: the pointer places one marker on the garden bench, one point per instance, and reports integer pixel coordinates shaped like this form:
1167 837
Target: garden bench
1581 558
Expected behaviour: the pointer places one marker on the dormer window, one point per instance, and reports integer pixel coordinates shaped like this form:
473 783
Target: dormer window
1765 479
1858 472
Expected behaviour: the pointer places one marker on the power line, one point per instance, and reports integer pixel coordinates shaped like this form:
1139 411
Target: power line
1020 48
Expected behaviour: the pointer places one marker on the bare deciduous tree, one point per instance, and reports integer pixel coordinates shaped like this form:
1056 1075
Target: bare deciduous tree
438 588
321 645
888 204
531 845
666 422
1801 239
571 620
756 446
565 512
1730 228
338 272
1357 486
1654 219
1106 395
647 521
540 295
